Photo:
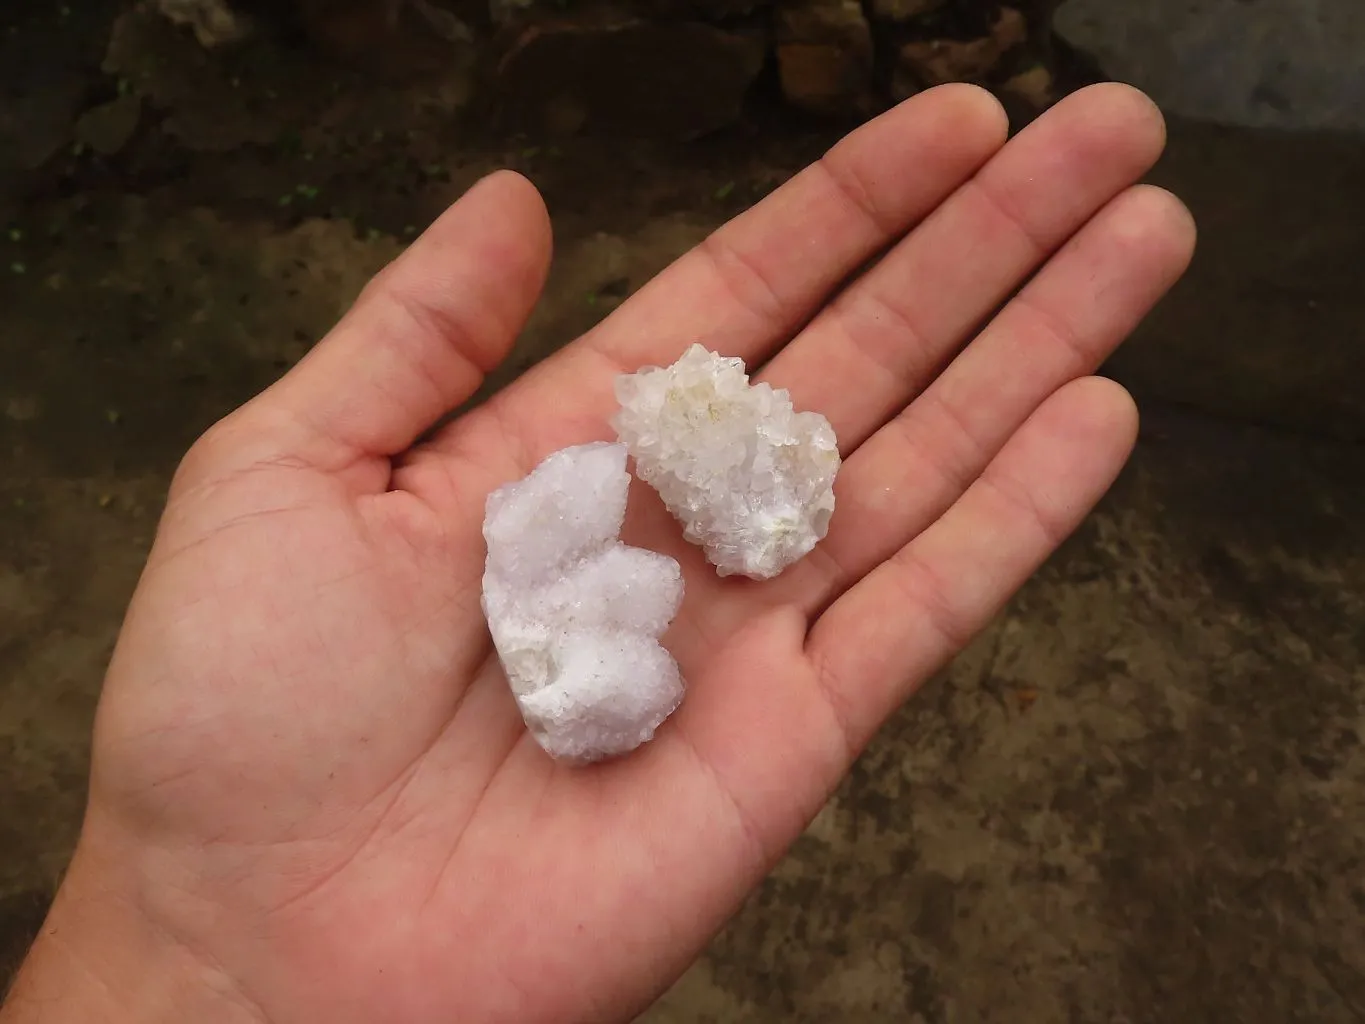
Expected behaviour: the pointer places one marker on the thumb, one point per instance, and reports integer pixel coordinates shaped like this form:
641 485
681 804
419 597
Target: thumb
422 334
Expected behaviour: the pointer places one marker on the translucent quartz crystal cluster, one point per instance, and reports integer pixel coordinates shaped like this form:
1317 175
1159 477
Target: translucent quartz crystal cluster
750 479
575 614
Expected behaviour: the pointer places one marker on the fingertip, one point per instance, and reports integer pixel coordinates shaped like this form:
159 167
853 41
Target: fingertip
1168 212
1126 112
427 329
972 104
521 194
1155 231
957 127
498 233
510 202
968 113
1122 101
1098 408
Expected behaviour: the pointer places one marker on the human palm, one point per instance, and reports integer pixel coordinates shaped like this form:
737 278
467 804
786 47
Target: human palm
308 764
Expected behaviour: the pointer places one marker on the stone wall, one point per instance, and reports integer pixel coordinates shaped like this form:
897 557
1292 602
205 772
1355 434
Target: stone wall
687 64
680 67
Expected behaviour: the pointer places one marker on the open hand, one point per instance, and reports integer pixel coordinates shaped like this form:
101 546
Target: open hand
313 798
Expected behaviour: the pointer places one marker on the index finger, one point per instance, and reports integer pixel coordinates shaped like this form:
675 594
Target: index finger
746 289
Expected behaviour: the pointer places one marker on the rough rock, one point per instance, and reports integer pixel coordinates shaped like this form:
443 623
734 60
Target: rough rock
725 9
107 128
172 72
925 63
626 76
903 10
825 57
35 126
1028 93
750 479
509 12
214 22
505 12
1034 86
397 39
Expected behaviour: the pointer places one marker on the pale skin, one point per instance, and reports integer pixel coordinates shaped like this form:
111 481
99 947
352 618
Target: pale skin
312 797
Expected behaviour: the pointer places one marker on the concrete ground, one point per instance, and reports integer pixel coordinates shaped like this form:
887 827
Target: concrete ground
1139 797
1260 63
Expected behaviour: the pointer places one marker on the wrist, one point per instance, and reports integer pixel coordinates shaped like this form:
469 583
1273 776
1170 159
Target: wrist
98 958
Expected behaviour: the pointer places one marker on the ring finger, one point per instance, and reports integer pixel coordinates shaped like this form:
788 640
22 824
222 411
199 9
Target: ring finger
1062 326
881 342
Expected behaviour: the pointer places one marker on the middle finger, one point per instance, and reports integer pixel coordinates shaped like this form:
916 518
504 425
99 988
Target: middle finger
880 343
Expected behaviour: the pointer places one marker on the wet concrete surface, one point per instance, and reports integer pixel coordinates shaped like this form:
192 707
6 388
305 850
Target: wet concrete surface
1255 63
1138 797
1269 323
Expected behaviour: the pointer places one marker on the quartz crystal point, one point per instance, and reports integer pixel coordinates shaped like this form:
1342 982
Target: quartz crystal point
751 480
575 614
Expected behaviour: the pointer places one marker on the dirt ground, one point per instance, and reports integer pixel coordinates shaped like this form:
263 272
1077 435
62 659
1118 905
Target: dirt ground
1139 797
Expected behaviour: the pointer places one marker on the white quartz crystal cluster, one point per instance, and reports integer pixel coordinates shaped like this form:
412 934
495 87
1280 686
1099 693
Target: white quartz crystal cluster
750 479
574 613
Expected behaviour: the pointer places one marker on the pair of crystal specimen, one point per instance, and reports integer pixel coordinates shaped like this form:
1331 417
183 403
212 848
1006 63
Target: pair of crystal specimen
575 614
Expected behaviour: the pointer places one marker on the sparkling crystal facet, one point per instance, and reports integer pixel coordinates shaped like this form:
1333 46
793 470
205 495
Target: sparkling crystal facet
750 479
